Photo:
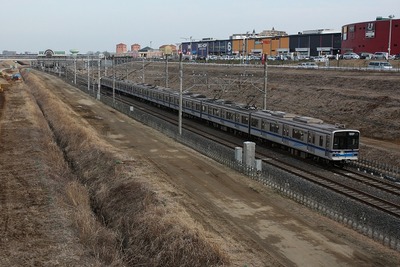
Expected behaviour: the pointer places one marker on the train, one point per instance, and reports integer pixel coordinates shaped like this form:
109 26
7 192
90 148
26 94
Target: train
302 135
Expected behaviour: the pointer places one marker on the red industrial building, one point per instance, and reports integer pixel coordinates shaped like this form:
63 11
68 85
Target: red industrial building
380 35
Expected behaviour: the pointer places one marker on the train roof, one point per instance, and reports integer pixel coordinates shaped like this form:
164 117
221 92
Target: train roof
304 121
220 102
309 122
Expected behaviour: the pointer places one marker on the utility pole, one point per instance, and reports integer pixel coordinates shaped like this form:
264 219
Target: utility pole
143 71
166 71
88 73
113 66
390 34
98 78
74 53
180 92
75 70
105 66
265 82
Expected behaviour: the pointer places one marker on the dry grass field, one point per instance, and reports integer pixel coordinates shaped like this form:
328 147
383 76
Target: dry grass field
71 194
70 199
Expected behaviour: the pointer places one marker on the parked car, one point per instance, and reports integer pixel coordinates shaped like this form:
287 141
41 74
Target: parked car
330 56
308 65
366 55
381 55
396 57
320 59
379 65
350 55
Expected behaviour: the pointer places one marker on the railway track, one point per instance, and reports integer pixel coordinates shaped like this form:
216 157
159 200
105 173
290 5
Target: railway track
378 194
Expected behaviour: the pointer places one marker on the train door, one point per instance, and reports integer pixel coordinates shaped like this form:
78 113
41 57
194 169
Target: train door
264 127
310 142
246 123
237 120
327 145
285 134
204 111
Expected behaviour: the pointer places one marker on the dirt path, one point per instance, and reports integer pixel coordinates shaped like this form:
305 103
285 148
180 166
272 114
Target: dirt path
256 226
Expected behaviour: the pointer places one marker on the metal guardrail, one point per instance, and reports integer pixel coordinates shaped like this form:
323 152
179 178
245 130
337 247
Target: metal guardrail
377 168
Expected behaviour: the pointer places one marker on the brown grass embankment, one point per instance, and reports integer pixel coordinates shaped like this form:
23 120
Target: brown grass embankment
147 228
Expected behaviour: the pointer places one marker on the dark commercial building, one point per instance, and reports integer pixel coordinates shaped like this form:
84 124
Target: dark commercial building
315 43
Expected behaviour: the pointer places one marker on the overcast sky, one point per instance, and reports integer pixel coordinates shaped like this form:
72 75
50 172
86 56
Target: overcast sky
98 25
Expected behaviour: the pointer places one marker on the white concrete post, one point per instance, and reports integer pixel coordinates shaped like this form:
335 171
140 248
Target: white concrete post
249 153
258 165
239 154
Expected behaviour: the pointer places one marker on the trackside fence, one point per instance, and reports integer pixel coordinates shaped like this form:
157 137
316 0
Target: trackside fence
377 168
375 224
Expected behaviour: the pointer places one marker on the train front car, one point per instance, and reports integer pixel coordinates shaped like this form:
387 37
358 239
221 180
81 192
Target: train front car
344 145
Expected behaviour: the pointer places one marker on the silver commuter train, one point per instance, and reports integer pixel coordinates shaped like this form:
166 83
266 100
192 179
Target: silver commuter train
309 136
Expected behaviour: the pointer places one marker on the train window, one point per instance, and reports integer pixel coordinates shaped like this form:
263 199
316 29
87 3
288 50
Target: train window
298 134
237 118
311 138
204 108
197 107
215 111
321 141
255 123
328 141
230 116
222 114
245 120
285 130
346 140
264 125
274 127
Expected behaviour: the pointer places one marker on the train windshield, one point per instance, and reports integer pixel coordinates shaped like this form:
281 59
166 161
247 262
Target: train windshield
346 140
